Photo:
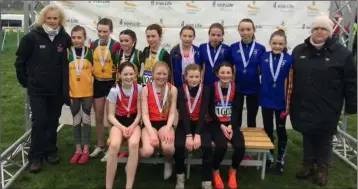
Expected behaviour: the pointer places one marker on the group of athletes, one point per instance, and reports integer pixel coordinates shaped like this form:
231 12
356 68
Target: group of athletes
205 87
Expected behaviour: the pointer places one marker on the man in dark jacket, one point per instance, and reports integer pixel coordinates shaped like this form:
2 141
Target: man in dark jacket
40 67
324 77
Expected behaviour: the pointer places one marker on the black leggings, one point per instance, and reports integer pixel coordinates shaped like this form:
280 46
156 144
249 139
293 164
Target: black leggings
179 155
237 142
252 106
267 115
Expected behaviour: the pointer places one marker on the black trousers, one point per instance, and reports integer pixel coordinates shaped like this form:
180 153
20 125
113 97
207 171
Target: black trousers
318 148
237 141
267 115
206 148
252 106
46 111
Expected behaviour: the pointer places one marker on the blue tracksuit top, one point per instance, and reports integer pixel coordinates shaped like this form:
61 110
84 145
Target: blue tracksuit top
176 57
273 97
224 55
249 82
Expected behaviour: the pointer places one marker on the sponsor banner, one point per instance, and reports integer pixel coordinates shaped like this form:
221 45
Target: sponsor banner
294 17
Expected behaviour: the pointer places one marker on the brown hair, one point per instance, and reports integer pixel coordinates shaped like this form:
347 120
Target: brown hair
216 25
249 21
169 99
157 28
222 64
79 28
187 28
281 33
121 67
192 67
106 21
133 36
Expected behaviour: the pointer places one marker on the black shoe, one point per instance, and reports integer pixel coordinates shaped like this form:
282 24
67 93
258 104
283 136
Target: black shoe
321 176
306 171
35 167
279 168
53 159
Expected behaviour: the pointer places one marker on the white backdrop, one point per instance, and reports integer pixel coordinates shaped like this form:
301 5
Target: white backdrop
295 17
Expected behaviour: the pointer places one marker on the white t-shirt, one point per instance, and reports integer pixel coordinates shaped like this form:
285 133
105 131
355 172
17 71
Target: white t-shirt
113 94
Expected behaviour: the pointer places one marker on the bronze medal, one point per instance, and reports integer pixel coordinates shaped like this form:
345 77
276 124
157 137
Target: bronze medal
102 70
78 78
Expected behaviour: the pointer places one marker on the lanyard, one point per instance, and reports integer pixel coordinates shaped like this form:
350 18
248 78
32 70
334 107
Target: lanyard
160 107
130 97
209 54
277 71
224 104
156 56
246 62
78 67
192 107
130 60
101 58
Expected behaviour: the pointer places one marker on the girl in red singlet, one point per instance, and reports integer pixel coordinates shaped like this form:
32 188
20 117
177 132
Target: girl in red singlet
124 113
159 99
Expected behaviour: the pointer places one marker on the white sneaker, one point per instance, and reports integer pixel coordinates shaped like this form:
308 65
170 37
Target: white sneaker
180 181
206 185
167 170
97 151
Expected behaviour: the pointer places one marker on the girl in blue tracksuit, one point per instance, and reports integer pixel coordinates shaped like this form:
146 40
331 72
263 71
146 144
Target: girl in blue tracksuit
245 56
183 54
213 53
275 93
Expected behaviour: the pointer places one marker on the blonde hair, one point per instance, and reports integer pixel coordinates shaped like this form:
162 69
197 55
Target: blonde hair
169 99
51 7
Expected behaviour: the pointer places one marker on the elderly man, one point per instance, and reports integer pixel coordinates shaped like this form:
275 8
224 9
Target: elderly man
324 77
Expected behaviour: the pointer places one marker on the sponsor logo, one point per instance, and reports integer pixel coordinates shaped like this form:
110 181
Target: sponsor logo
72 21
67 4
282 26
130 23
161 23
283 7
252 9
129 6
306 27
312 10
194 25
166 46
191 7
162 4
223 5
258 27
222 22
100 4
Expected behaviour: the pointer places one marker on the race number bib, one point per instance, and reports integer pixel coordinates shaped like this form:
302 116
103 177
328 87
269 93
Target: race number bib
222 111
147 76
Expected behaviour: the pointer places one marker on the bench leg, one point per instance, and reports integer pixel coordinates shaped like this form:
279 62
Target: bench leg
258 158
263 166
188 165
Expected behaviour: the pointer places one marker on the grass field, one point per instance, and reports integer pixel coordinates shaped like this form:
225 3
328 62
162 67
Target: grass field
92 175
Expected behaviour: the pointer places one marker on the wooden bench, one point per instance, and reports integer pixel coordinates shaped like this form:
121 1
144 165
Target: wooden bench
256 141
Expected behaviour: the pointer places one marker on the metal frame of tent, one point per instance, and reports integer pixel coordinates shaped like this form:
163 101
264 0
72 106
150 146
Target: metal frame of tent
14 158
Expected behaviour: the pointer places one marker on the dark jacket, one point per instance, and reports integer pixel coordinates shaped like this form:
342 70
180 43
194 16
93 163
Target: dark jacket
176 57
322 80
41 63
